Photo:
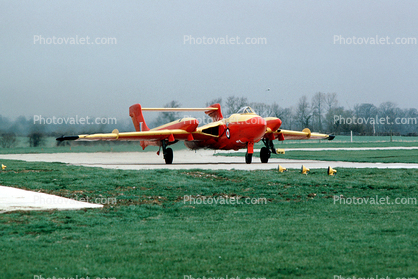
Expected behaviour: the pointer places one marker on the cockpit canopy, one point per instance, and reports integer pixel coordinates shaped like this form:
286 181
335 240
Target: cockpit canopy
245 110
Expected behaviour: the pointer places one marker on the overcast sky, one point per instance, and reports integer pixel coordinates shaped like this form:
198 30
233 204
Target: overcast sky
150 62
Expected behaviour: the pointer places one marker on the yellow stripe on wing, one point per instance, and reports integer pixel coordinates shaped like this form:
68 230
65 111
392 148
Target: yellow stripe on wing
304 134
146 135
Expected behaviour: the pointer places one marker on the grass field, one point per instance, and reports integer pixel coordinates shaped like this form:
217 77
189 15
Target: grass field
151 232
370 156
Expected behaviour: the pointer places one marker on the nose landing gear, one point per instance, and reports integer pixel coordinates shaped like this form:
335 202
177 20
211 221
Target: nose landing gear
249 154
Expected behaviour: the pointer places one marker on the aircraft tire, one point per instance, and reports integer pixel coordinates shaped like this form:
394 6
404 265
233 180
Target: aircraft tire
168 156
248 158
264 155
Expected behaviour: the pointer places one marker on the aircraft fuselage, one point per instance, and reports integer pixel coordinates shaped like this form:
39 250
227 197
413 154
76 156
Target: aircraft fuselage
234 133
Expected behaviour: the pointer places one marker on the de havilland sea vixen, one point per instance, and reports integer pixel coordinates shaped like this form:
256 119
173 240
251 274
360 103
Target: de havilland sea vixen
240 130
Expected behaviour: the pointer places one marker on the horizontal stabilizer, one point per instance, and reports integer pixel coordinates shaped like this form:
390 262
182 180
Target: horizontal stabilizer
178 109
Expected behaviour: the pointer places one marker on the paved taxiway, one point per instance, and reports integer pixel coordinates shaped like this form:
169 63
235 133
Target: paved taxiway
187 159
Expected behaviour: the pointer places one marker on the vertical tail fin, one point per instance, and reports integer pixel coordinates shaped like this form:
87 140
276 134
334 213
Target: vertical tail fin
216 115
135 112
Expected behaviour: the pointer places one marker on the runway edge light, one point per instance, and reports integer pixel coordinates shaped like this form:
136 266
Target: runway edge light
304 170
281 169
3 166
331 171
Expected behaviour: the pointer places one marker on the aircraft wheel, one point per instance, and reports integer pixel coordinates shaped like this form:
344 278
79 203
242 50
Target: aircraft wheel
168 156
248 158
264 155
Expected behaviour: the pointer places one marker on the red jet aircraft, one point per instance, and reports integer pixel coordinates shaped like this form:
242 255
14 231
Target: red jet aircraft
240 130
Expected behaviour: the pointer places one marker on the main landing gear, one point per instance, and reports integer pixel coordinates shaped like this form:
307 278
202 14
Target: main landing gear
264 155
167 152
266 151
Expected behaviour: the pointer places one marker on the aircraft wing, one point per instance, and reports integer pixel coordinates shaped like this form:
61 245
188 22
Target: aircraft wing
305 134
153 135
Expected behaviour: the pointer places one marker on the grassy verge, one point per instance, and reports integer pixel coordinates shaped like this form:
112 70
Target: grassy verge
370 156
152 232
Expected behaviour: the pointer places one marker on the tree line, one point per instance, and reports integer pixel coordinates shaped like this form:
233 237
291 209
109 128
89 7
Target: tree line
321 113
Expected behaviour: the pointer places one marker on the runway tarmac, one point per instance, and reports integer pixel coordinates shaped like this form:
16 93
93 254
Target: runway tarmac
186 159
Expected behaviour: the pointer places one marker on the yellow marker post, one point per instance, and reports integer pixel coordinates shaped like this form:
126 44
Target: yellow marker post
331 171
304 170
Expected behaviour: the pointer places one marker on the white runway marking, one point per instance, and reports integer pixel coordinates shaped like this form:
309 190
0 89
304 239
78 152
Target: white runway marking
344 148
12 199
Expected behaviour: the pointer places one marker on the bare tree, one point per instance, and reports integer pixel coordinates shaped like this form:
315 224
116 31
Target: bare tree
330 105
367 113
318 102
337 120
261 109
286 115
166 117
387 110
411 116
36 139
5 123
233 104
331 101
303 112
215 101
276 111
8 140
